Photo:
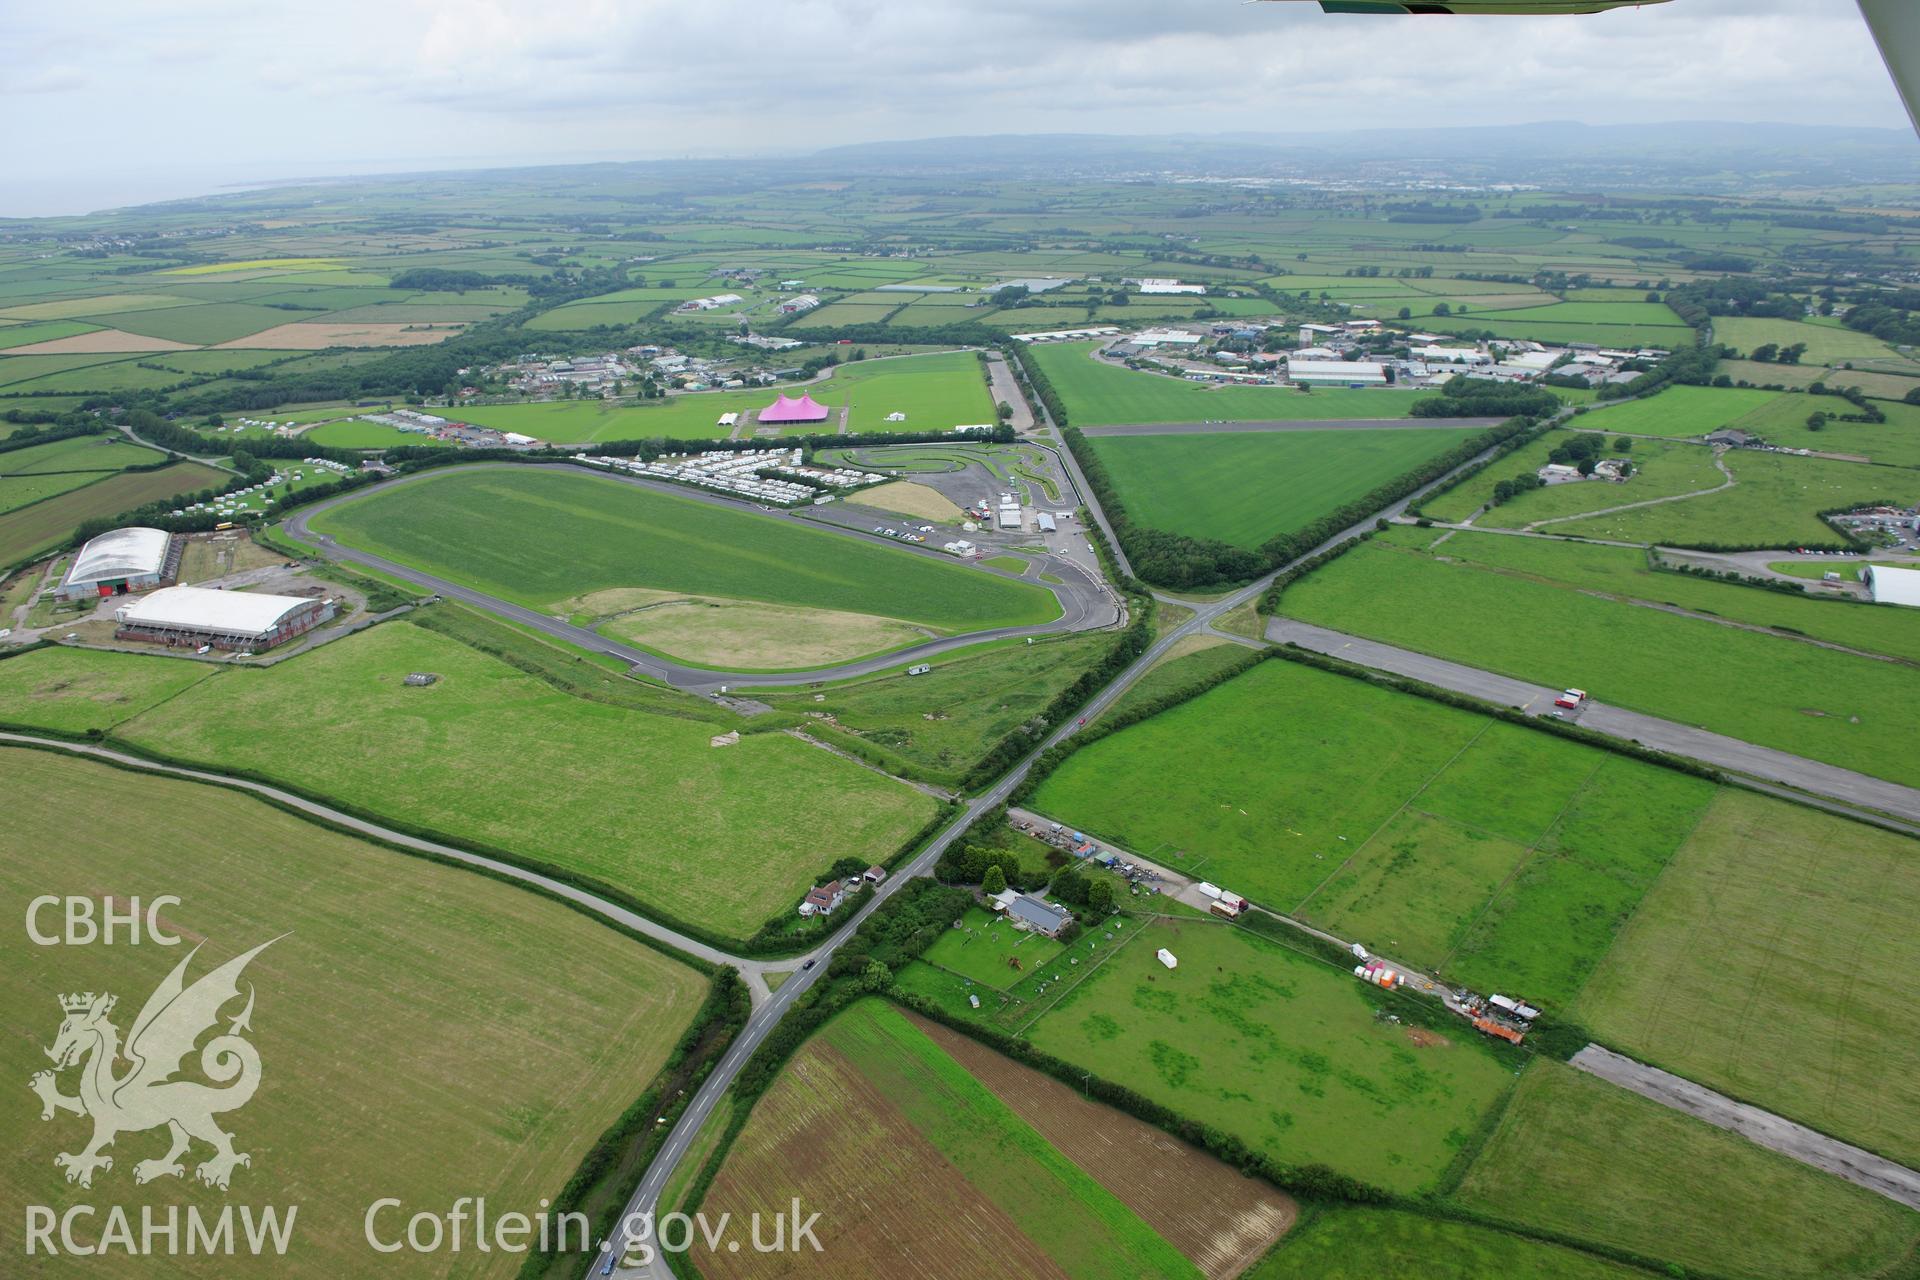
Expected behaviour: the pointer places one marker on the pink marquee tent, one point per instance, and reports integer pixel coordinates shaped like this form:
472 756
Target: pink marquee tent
786 409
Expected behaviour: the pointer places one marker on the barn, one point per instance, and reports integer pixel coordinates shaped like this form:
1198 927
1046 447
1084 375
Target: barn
133 559
239 620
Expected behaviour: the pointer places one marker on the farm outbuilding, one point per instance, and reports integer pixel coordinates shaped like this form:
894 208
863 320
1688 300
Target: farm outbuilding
177 616
1888 585
133 559
1041 917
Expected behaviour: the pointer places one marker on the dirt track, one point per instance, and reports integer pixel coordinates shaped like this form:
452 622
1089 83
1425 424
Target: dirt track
1796 1141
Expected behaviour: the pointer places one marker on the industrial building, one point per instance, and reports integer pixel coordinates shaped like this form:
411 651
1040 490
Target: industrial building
1337 372
134 559
1888 585
237 620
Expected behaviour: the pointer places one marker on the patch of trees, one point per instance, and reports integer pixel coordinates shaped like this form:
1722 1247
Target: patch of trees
1715 262
1690 366
1428 211
1464 397
1865 410
1887 323
443 280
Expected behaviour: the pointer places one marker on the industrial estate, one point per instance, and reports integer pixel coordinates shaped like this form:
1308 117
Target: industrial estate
1069 721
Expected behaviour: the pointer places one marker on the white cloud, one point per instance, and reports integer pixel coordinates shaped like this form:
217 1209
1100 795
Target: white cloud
245 90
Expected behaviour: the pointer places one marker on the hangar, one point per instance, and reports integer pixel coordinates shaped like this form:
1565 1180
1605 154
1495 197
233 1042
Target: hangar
120 561
195 616
1889 585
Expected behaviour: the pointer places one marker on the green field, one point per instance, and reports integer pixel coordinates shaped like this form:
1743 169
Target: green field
1826 343
1680 411
202 325
1586 1159
1390 820
1278 1049
454 1036
934 726
1370 1244
78 691
1099 394
23 491
1802 918
78 453
937 392
1626 573
984 946
1790 695
47 524
545 536
1661 470
1775 501
1783 422
1247 487
623 793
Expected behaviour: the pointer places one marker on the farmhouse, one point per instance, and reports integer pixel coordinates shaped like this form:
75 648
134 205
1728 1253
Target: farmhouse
786 408
1888 585
176 616
1342 372
823 900
123 560
1028 912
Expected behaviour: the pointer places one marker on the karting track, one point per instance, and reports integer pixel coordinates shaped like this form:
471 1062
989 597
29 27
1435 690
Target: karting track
1085 604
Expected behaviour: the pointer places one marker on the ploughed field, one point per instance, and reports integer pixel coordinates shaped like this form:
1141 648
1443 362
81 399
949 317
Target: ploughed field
928 1154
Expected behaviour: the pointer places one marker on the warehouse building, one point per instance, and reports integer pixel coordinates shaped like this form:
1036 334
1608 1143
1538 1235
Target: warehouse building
1888 585
1337 372
239 620
121 561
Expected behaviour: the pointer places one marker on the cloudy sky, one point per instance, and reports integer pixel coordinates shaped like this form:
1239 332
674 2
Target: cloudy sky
113 101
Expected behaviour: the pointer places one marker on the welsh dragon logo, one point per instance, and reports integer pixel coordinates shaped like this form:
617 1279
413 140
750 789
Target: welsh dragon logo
147 1095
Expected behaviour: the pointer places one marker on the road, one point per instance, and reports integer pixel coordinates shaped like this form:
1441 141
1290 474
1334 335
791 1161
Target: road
1796 1141
1291 424
1085 605
1715 749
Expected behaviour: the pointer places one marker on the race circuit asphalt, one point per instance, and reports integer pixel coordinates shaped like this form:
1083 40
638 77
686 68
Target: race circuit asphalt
1086 604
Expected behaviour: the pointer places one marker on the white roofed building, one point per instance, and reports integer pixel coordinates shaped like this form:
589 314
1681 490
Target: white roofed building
1337 372
193 616
133 559
1889 585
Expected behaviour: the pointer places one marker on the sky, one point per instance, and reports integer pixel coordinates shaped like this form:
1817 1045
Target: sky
113 102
